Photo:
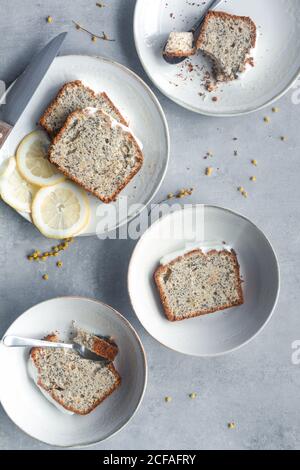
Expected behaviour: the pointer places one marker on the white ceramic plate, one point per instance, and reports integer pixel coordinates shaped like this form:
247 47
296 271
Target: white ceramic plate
135 101
220 332
276 55
29 409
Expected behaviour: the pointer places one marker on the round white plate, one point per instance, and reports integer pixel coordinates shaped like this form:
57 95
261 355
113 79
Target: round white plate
276 55
30 410
219 332
136 102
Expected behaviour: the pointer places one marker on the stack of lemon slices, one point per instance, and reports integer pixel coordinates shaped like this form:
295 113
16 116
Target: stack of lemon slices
30 183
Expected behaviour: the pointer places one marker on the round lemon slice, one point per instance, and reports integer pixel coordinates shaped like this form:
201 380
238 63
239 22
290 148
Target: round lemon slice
16 191
61 211
33 162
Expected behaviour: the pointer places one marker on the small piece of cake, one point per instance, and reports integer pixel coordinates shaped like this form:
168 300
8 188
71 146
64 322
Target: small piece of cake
199 283
77 385
104 347
227 40
180 45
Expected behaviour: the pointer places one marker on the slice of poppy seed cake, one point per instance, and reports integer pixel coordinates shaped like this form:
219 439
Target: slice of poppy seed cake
78 385
227 40
198 283
104 347
180 45
97 153
71 97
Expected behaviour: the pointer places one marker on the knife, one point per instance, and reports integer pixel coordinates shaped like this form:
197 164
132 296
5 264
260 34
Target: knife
19 94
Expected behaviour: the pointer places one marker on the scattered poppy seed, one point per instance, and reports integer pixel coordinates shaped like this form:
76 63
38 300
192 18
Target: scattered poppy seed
94 39
45 277
49 19
283 138
241 189
59 264
253 178
267 119
209 171
168 399
254 162
193 395
275 110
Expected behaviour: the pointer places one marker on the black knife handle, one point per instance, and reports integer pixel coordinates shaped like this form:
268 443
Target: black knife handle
5 130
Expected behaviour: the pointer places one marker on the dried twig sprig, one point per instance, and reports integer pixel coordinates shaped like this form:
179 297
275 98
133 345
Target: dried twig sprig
104 36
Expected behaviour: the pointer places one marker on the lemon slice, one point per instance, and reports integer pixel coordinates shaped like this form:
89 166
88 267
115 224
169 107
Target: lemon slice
61 211
33 162
16 191
6 167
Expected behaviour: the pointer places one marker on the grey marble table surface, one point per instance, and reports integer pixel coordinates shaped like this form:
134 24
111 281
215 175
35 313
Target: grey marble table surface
256 387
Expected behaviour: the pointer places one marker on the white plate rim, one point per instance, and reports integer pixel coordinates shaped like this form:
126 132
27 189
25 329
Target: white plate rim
128 324
166 131
245 343
192 108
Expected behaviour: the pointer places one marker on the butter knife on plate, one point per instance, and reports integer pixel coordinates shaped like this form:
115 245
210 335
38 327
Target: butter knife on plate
17 97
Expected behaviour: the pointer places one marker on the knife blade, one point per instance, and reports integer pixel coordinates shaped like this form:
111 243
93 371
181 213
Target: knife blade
19 95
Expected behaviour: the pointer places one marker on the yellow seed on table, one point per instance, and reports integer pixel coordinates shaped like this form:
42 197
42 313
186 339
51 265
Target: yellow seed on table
231 425
168 399
254 162
209 171
193 395
267 119
55 254
94 39
283 138
59 264
30 258
241 189
253 178
45 277
44 258
49 19
245 194
275 110
170 195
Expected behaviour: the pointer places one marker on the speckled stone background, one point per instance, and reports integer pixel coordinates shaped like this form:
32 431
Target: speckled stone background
258 386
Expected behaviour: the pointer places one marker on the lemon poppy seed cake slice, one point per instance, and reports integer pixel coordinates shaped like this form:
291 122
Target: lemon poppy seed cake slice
199 283
75 384
96 152
104 347
227 40
71 97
